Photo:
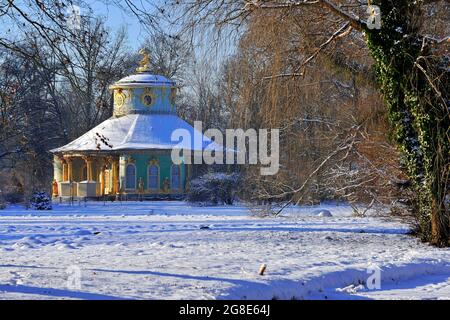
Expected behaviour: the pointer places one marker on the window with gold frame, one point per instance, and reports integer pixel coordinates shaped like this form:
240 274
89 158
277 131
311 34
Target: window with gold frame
148 98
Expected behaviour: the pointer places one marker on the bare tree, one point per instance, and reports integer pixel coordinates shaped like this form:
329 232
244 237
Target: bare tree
169 56
45 102
409 73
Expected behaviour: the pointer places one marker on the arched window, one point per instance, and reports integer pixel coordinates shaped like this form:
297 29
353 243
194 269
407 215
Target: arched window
153 177
175 180
130 175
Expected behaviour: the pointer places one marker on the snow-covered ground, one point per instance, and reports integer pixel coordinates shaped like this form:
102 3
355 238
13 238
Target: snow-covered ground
171 250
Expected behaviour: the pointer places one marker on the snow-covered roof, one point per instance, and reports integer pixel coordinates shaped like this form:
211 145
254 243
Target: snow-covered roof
143 79
139 132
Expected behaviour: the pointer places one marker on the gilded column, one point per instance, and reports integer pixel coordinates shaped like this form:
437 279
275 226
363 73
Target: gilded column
89 168
57 169
102 180
115 173
113 176
69 169
64 170
121 173
69 161
106 162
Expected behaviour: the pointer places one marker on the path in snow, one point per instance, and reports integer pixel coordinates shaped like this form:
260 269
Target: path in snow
161 250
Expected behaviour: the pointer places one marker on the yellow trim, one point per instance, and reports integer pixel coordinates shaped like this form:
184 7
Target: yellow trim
119 98
132 85
130 160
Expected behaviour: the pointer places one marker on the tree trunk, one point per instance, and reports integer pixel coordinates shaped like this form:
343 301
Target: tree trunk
439 224
418 110
440 215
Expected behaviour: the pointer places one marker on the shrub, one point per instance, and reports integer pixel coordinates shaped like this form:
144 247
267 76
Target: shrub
14 197
41 200
214 188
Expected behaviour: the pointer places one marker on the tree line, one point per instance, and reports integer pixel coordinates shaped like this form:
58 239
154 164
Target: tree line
363 112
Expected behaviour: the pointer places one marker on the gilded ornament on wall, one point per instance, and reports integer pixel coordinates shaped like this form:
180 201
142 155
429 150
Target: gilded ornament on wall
148 98
119 98
130 160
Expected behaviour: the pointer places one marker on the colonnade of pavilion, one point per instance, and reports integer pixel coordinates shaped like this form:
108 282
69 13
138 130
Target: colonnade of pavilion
92 176
90 179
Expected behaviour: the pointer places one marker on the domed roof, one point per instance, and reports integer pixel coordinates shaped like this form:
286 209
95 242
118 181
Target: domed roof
140 132
144 77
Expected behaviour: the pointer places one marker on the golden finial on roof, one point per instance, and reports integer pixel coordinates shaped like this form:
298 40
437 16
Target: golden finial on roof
144 65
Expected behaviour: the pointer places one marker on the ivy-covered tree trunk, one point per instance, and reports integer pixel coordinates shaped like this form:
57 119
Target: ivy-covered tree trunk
415 90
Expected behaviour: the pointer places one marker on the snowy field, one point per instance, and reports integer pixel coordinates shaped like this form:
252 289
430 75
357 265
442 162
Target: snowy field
171 250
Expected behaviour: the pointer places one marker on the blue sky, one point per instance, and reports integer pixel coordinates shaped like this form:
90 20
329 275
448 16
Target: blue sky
117 18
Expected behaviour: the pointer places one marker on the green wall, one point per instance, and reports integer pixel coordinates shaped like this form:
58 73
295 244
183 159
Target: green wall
165 163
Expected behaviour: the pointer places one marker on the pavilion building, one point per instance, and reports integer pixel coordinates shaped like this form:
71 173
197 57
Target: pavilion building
130 153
